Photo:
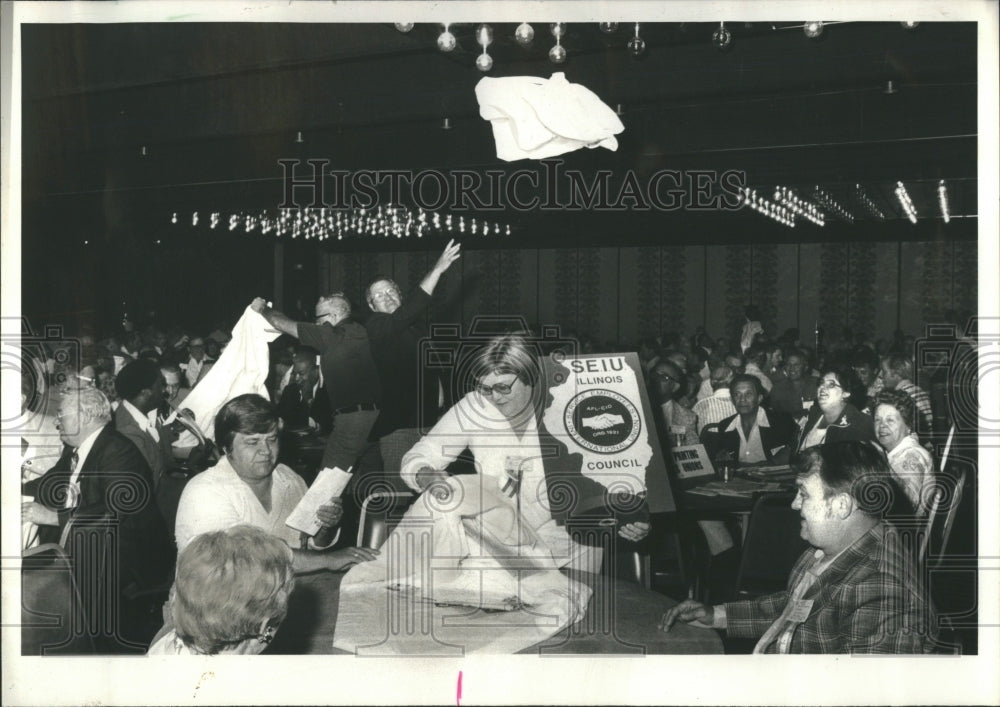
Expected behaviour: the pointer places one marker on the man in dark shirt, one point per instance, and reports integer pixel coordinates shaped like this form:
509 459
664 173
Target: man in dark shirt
395 340
349 374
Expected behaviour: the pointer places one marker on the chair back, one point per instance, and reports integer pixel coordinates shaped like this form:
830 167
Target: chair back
933 511
52 614
394 445
950 512
380 512
772 545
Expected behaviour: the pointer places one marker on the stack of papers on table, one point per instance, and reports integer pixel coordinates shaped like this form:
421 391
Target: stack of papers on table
769 473
741 488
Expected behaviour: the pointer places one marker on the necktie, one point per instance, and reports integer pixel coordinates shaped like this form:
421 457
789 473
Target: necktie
73 491
783 628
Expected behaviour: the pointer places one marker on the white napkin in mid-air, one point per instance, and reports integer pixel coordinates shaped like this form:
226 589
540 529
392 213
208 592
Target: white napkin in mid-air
536 118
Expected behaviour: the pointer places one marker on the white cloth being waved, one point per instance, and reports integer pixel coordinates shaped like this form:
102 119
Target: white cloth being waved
475 424
242 368
537 118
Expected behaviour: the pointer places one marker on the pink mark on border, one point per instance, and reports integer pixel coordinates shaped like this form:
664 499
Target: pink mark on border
458 690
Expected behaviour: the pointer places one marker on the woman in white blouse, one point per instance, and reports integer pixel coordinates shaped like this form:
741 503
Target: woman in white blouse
911 464
498 422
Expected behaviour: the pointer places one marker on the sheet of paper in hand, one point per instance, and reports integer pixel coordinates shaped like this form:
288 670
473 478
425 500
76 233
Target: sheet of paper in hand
328 483
455 580
597 406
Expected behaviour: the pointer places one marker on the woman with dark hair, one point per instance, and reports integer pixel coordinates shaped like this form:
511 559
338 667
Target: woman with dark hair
834 417
911 464
230 594
498 421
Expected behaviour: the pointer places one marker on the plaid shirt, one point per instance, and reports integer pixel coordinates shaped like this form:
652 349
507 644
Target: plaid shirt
922 401
868 600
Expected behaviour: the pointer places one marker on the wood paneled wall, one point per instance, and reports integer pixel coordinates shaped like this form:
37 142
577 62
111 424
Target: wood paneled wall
624 294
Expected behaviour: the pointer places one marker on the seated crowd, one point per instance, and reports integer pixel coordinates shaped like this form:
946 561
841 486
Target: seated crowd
845 418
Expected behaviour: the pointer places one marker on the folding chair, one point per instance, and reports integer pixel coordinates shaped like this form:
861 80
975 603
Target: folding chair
52 613
771 547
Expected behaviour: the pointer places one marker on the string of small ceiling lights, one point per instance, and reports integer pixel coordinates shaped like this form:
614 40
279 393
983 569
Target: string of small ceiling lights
323 224
524 35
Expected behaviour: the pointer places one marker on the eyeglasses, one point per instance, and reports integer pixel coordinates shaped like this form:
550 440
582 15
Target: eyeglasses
487 390
666 376
386 293
830 384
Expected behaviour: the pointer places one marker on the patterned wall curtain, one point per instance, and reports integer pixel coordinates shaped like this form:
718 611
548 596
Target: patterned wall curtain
738 289
509 295
673 313
489 278
588 306
965 278
648 291
835 265
937 280
765 286
863 289
567 285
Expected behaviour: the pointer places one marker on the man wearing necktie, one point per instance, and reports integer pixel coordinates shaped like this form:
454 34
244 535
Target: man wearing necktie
104 486
856 590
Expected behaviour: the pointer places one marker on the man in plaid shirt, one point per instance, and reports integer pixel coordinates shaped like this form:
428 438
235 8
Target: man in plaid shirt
856 590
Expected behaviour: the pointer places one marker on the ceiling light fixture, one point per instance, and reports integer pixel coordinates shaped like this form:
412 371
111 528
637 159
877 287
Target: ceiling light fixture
866 201
524 34
768 208
403 26
906 202
943 201
446 40
722 37
446 124
484 36
636 44
557 54
813 29
890 89
826 200
801 207
910 24
608 27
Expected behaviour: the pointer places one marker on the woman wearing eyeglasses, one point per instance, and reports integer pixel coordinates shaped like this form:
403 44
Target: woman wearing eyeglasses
498 422
230 594
834 417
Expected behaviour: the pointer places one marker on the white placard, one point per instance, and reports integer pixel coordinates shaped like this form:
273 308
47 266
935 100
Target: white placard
328 483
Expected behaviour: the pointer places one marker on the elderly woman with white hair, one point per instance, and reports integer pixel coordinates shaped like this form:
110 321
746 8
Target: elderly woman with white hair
911 464
229 596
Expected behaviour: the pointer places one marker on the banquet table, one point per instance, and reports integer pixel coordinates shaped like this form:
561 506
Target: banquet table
621 618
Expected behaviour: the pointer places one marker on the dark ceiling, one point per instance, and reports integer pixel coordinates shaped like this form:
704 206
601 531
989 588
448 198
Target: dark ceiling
216 105
125 124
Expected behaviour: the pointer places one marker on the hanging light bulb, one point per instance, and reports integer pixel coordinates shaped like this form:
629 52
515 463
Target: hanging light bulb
609 27
813 29
722 37
484 35
484 62
403 26
524 34
636 45
446 40
557 54
910 24
173 219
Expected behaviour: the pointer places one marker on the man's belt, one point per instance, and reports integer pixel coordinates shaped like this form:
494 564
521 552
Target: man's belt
355 408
